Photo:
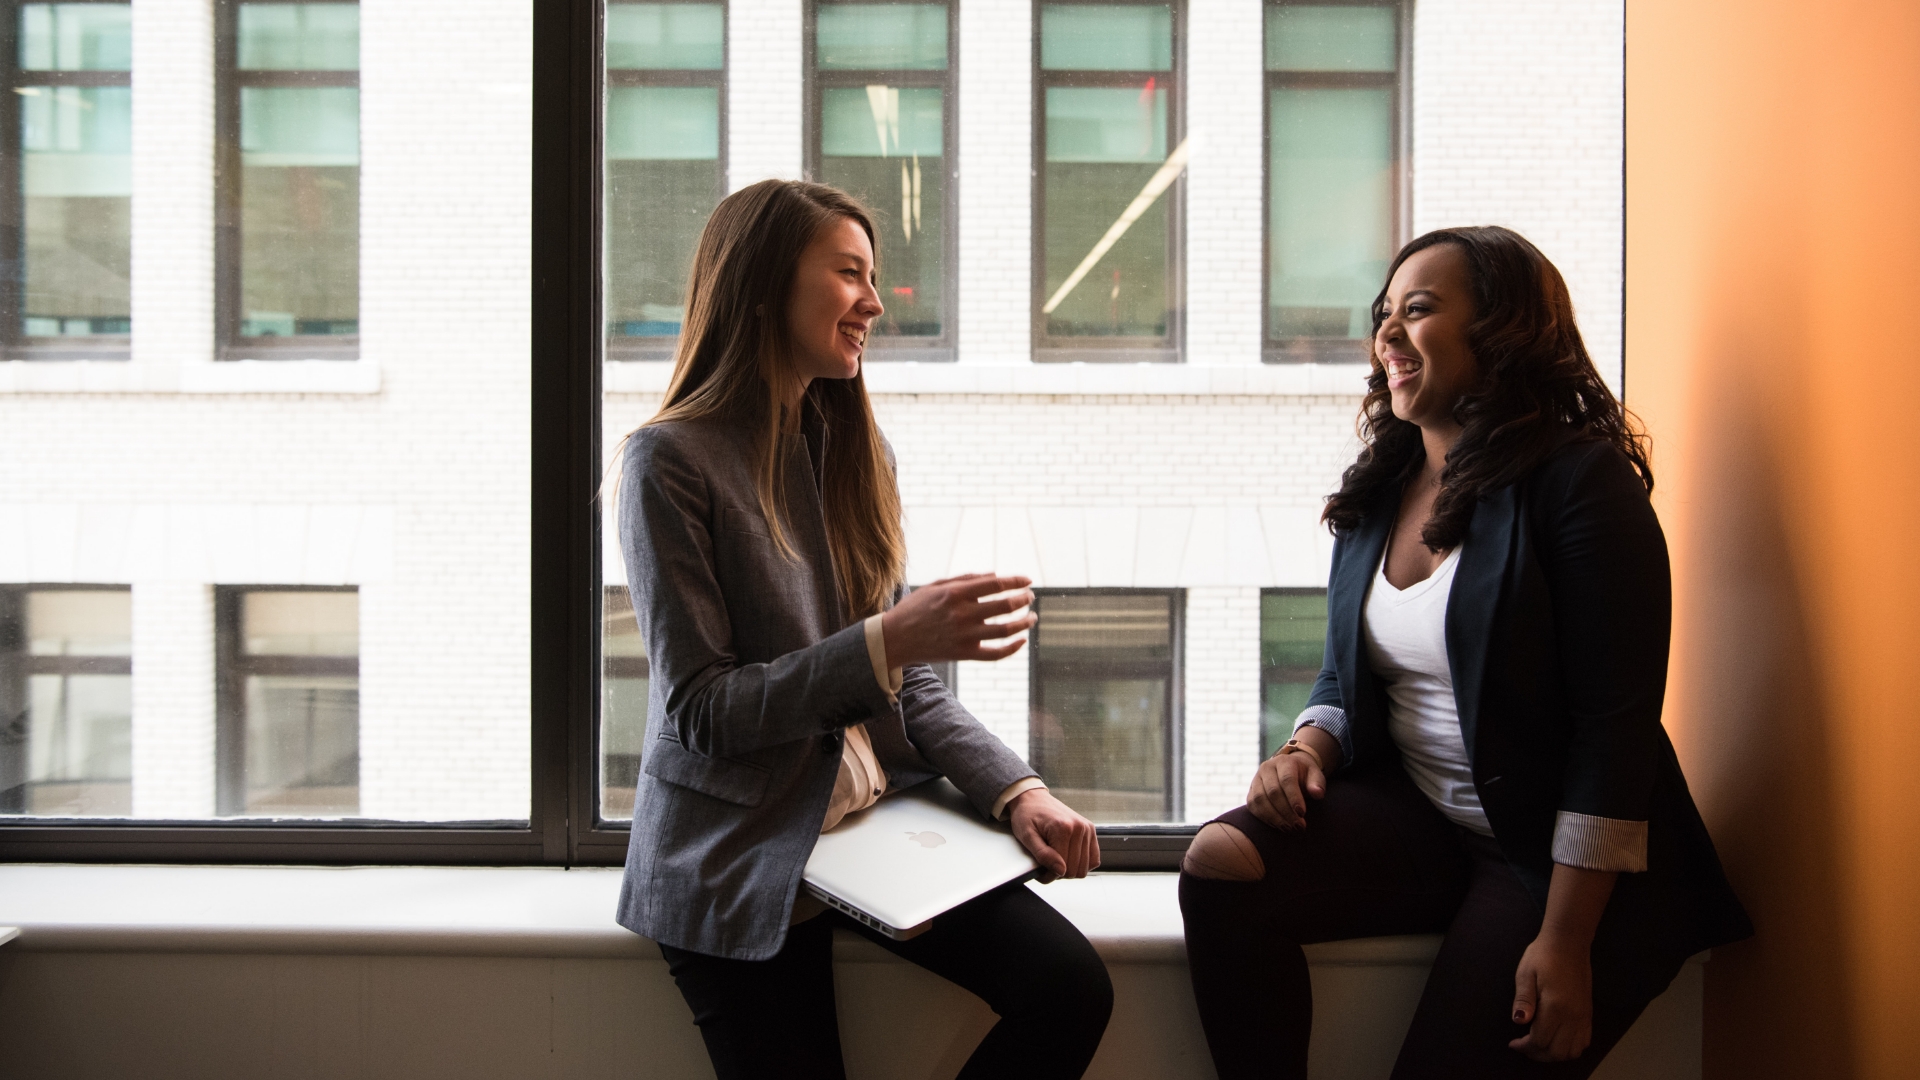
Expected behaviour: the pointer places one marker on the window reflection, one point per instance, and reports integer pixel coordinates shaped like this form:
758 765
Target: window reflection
1293 634
623 704
290 702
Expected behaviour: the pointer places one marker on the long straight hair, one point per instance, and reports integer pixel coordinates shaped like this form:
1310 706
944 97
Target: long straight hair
735 358
1537 389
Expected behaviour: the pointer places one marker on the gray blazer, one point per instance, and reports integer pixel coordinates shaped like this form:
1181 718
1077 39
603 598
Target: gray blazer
756 668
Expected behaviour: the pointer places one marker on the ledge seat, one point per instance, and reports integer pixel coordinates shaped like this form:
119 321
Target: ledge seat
426 972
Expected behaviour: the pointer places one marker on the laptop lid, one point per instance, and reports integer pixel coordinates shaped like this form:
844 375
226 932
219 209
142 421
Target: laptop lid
911 856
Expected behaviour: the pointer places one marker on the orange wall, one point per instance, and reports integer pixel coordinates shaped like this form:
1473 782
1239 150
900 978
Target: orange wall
1773 350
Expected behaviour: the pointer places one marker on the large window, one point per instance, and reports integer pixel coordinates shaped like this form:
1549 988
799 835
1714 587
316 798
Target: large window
879 107
1110 150
1104 733
665 163
289 670
1293 635
66 701
66 193
1333 137
289 178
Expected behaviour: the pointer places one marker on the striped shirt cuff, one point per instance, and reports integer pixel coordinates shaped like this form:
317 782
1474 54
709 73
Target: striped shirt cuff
1015 790
1600 843
889 678
1331 719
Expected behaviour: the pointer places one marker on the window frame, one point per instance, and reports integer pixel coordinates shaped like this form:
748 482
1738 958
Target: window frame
232 664
14 343
625 349
228 81
1113 350
945 347
1308 350
1174 749
18 664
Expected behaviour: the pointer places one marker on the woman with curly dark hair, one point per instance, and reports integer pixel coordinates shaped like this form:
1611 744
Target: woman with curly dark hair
1482 755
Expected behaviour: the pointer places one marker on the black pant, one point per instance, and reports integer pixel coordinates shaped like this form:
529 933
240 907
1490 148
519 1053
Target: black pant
1377 858
768 1018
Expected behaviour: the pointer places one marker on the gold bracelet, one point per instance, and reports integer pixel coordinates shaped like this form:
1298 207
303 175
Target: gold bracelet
1296 746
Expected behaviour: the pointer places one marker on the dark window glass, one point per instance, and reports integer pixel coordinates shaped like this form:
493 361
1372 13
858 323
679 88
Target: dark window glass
291 172
881 93
623 704
664 163
72 184
66 701
1111 154
1332 138
1293 636
1102 728
290 702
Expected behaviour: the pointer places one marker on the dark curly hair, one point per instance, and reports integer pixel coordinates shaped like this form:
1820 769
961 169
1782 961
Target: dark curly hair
1537 390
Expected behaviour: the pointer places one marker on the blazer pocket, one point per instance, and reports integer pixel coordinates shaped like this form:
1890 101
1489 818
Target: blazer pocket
727 779
741 521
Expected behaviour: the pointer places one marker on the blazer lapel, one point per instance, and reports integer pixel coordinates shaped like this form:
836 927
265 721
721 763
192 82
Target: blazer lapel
1347 597
1475 600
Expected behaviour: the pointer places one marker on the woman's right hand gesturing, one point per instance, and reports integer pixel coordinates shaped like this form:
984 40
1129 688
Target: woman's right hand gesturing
1279 792
947 620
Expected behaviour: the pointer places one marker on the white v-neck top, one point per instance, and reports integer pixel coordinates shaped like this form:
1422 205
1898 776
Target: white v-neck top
1406 638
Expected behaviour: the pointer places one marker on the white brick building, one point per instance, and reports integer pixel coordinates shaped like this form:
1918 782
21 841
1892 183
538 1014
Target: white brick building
405 472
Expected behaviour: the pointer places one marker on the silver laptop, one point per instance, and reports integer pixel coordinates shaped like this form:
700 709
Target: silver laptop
911 856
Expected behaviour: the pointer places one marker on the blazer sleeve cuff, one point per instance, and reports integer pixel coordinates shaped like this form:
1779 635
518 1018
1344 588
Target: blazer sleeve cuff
889 678
1014 791
1331 719
1600 843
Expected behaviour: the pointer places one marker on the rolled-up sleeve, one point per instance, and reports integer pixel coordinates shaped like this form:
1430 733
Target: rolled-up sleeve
1331 719
1598 843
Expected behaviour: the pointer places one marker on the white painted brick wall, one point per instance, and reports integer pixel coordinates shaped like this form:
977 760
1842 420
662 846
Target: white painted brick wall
1222 681
763 91
995 53
173 243
1518 120
173 699
1226 80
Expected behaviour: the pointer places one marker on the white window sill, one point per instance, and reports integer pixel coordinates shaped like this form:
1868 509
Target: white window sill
1172 380
202 377
490 911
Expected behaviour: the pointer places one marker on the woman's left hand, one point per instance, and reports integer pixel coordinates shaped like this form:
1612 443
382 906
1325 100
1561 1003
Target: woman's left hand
1553 992
1063 841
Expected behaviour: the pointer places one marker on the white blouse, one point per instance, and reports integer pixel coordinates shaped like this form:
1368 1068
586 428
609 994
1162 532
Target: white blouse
1405 631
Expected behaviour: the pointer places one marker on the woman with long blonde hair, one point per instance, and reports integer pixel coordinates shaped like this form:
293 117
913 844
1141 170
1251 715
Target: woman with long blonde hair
760 523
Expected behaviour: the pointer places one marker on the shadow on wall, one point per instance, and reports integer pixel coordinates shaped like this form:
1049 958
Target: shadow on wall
1758 726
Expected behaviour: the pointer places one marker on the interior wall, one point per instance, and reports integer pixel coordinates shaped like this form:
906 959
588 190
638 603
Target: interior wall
1773 221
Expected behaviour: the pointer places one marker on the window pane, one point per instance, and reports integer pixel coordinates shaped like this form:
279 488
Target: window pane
301 624
303 746
688 36
1293 631
1331 228
1100 731
1310 38
300 210
1103 146
76 174
299 37
883 144
1106 37
881 37
80 622
67 748
623 705
80 745
76 37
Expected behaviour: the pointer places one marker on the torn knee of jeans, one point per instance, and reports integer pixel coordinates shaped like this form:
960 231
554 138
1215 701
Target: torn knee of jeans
1221 852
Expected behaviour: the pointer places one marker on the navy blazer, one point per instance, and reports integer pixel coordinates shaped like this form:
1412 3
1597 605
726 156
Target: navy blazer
1557 631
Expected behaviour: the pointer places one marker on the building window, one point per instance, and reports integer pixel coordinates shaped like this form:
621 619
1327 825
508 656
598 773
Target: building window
1333 167
289 179
1104 727
66 701
665 164
1293 638
1109 141
289 701
879 125
623 704
68 195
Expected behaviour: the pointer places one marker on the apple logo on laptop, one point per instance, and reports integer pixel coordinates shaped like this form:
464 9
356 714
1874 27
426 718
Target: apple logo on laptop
927 839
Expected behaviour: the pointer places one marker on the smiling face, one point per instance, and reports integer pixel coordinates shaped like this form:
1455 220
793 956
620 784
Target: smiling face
834 303
1422 342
